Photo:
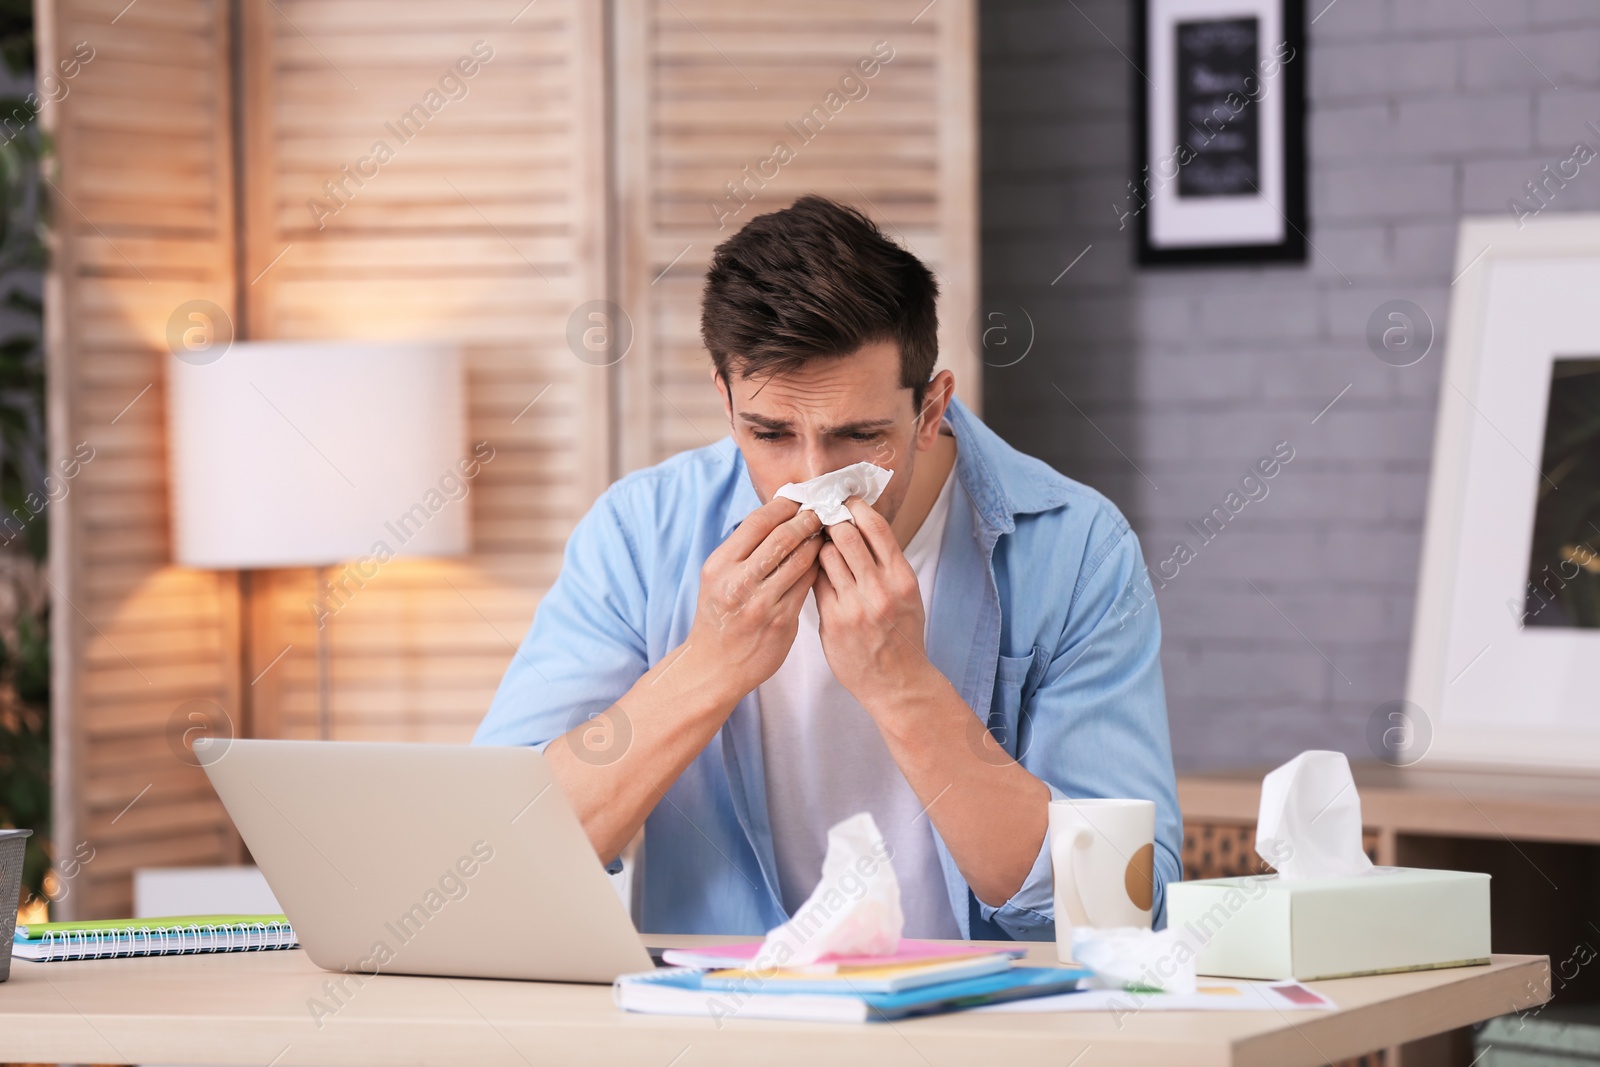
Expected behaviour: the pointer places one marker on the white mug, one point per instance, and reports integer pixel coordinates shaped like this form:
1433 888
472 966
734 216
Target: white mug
1102 854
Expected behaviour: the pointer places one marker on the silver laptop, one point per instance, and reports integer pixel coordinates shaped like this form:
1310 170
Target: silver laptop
460 860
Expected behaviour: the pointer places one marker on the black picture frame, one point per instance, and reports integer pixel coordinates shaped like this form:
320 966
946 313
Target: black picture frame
1292 247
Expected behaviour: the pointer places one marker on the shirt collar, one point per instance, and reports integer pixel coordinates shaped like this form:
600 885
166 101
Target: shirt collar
1001 482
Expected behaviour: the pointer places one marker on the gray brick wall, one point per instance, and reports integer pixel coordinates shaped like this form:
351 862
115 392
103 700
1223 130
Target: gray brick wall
1163 387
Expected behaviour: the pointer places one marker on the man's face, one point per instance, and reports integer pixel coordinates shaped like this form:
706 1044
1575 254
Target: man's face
829 414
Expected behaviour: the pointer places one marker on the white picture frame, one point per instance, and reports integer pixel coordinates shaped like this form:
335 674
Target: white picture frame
1492 689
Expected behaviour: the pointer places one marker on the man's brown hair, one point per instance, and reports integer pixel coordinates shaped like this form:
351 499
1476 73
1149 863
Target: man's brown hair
817 280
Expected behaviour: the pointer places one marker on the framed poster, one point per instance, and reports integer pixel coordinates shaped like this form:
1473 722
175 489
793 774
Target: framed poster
1505 652
1219 140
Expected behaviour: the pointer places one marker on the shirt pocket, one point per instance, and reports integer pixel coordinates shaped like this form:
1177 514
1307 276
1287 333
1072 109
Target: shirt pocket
1015 679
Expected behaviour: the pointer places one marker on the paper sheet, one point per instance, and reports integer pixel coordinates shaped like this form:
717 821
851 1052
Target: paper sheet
826 493
1309 824
855 909
1210 996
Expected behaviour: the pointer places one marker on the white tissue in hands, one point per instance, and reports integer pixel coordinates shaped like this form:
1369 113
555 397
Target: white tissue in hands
1309 825
826 493
1133 957
855 909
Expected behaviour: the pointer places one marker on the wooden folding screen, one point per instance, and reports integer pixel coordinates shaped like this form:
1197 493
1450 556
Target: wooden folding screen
142 223
486 171
433 170
728 110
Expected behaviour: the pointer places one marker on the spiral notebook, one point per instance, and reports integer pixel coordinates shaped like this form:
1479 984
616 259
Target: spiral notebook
172 935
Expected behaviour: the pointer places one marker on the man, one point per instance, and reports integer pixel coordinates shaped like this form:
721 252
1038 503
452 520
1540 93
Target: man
715 667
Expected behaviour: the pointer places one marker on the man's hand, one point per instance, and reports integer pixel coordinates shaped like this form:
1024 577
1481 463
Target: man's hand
870 609
751 590
748 611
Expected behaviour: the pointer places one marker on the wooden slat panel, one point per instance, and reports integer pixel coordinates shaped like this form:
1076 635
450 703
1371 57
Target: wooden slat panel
142 224
484 228
711 88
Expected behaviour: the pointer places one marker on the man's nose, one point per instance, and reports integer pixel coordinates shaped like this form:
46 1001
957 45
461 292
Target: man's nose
818 460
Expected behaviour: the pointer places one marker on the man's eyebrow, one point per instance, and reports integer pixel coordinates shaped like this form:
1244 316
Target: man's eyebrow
863 426
762 421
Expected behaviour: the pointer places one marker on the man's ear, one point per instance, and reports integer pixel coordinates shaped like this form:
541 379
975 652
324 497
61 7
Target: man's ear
935 401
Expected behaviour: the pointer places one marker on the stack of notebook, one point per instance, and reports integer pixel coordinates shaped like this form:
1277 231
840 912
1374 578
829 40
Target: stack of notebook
171 935
922 978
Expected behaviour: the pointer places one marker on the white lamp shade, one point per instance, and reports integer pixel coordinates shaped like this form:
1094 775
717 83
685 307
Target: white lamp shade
308 453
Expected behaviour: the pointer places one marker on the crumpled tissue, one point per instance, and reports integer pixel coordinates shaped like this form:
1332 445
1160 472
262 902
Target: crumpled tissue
1309 825
1136 958
826 493
855 909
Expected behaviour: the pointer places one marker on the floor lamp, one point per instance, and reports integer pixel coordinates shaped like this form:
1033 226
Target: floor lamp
311 454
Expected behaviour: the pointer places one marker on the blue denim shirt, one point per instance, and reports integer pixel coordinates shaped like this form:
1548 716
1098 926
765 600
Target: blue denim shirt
1030 622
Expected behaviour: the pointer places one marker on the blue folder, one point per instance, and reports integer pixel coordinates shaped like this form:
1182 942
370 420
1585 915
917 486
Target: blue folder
681 991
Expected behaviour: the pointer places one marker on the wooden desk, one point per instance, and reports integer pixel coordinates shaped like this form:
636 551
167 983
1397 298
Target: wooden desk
252 1008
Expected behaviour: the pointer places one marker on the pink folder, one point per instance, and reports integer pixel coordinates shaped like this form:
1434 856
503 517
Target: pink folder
910 951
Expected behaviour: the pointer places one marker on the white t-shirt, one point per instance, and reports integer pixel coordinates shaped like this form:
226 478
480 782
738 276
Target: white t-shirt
826 761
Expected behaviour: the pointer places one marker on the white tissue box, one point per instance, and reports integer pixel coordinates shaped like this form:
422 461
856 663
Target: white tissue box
1387 919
